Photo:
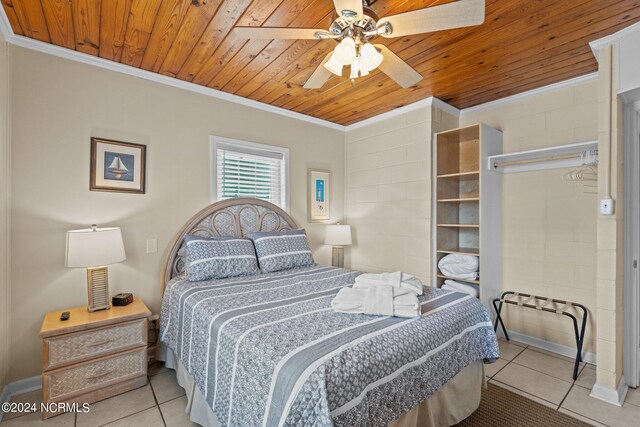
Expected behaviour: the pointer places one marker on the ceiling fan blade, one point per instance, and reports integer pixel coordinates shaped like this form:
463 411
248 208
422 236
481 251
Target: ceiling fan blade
462 13
394 67
320 75
352 5
277 33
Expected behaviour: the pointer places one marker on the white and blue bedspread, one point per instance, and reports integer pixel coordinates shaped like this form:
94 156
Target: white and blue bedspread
268 350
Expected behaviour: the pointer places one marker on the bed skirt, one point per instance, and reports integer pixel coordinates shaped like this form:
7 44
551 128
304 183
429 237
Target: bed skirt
455 401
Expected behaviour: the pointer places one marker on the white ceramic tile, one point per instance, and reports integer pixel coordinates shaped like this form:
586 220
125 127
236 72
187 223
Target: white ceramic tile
582 418
157 368
533 382
633 396
509 350
587 377
546 364
490 369
116 407
35 420
148 417
580 402
166 387
174 413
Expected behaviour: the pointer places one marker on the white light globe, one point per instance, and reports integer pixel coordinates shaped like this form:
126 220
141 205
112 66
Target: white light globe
345 52
371 58
357 69
334 65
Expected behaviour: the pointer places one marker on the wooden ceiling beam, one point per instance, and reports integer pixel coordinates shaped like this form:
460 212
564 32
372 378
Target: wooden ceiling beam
142 16
86 25
30 15
114 15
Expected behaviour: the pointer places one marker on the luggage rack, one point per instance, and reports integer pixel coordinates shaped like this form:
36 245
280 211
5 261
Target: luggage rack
542 303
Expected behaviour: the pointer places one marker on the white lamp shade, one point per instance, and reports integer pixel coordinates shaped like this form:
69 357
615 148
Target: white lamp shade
94 247
357 69
337 235
371 58
334 65
345 52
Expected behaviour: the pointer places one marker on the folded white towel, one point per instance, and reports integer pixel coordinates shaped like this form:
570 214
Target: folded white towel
455 265
467 288
396 279
381 300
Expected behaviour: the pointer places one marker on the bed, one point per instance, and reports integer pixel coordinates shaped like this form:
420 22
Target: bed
267 350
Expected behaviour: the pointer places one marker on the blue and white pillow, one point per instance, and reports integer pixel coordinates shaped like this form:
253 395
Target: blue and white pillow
282 250
219 257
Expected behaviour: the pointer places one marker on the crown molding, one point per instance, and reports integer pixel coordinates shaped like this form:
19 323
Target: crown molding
5 25
596 45
534 92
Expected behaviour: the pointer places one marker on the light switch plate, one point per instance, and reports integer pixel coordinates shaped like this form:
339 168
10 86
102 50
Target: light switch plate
606 206
152 246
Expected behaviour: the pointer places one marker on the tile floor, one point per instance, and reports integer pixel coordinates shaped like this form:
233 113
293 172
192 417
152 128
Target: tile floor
534 373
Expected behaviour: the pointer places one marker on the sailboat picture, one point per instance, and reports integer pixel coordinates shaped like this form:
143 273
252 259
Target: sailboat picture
117 166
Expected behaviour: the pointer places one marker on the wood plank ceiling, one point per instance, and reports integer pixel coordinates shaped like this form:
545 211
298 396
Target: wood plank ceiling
523 44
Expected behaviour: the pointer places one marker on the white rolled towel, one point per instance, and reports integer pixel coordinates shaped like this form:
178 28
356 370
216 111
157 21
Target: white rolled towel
467 288
380 300
459 266
397 279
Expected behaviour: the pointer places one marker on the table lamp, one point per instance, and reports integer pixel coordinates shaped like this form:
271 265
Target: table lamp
338 236
95 248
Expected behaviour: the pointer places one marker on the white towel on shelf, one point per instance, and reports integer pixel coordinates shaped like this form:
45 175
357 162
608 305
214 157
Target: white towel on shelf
459 266
381 300
467 288
397 279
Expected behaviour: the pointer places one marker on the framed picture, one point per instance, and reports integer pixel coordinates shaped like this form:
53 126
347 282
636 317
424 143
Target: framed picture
117 166
319 195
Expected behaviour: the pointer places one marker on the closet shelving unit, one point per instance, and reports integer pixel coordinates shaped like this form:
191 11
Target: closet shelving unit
467 204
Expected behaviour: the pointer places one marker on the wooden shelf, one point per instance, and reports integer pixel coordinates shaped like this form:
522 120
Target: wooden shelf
461 175
475 282
462 251
468 199
460 225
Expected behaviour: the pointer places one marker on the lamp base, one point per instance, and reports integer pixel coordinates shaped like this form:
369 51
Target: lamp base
98 289
337 256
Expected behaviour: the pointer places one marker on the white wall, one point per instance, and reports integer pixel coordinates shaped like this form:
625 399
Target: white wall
57 106
4 236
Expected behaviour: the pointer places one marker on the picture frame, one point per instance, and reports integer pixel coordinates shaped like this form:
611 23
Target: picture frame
117 166
319 195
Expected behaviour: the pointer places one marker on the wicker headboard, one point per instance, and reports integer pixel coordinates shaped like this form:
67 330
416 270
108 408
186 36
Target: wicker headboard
228 218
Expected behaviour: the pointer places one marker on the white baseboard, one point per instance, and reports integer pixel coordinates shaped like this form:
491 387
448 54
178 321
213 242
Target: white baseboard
609 395
551 346
19 387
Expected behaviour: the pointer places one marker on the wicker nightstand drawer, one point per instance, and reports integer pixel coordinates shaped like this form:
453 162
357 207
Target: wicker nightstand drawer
68 349
80 379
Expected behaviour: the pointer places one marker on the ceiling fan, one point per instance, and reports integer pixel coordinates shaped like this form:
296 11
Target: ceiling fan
356 25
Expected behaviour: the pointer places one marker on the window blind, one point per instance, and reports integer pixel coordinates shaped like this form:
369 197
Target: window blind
246 172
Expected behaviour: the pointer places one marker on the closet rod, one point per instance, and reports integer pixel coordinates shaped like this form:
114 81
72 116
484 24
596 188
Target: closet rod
536 160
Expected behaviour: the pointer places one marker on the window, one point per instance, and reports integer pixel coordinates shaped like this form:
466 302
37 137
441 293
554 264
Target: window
246 169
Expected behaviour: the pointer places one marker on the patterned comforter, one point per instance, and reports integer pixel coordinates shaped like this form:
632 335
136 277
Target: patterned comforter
268 350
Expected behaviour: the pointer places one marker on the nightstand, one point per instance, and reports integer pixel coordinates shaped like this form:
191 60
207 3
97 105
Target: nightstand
93 356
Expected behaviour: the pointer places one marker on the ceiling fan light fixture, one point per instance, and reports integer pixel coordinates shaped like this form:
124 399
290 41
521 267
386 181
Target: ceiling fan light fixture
371 58
345 52
358 69
334 65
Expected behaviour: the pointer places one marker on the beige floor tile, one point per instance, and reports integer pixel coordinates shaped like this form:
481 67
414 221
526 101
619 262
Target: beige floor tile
633 396
533 382
114 408
35 420
509 350
581 418
174 413
546 364
524 394
149 417
580 402
157 368
490 369
34 397
551 353
166 387
587 377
